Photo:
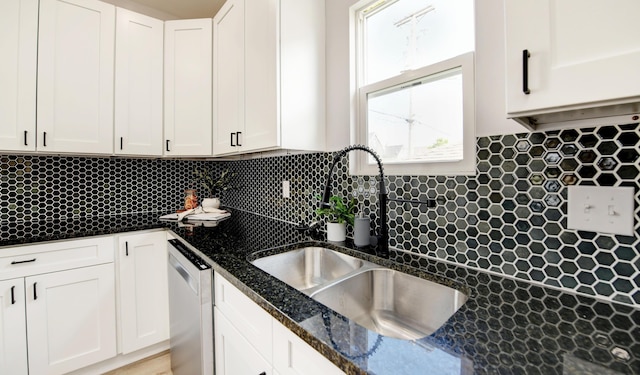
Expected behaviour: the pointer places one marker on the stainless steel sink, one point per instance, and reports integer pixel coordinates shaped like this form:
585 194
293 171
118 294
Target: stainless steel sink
392 303
307 268
386 301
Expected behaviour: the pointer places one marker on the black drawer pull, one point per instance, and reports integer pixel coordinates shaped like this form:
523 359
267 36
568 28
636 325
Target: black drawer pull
23 261
525 71
13 295
35 291
238 139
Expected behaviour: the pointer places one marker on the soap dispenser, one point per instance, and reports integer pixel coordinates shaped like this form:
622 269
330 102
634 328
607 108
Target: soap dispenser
361 231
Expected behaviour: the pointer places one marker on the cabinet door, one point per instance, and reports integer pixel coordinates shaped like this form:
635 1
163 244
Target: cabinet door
581 52
262 89
292 356
233 353
18 43
188 90
13 329
75 76
228 78
143 290
71 318
138 84
250 320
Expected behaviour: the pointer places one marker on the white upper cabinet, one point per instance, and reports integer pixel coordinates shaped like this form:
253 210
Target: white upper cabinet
138 84
19 46
188 88
575 58
228 77
277 80
75 76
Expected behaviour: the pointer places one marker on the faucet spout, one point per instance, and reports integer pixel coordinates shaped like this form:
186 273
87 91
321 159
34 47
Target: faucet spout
382 237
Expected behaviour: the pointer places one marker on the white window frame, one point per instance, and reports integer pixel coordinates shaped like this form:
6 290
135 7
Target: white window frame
359 162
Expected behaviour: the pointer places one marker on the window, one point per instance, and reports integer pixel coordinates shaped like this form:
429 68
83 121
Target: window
414 75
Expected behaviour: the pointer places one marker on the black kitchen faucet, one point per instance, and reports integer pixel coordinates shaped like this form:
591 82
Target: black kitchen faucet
382 238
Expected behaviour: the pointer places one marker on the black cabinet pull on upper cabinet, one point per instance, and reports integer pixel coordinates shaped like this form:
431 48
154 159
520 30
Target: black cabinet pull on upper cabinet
44 139
525 71
121 141
238 139
168 145
232 145
25 138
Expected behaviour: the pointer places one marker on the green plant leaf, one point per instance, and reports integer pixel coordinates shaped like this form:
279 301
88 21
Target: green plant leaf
338 211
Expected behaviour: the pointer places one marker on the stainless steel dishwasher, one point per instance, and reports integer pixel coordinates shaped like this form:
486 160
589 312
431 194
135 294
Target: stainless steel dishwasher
190 311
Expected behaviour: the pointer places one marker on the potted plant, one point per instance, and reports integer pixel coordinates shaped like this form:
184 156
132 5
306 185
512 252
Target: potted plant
213 187
338 215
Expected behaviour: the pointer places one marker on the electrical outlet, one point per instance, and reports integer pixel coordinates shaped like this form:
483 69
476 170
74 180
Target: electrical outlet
286 191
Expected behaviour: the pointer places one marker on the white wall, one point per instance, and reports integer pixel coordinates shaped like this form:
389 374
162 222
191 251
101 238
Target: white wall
490 95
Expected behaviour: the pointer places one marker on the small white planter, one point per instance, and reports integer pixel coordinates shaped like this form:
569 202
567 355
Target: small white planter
336 232
210 203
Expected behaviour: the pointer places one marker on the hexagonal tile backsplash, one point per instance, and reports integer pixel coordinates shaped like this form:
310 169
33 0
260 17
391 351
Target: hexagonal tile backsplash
509 219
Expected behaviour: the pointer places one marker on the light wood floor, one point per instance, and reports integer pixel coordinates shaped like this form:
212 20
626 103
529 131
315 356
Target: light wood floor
159 364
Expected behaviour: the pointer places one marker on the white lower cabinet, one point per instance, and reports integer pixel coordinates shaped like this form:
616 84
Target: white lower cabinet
292 356
249 341
143 290
234 353
71 319
13 341
57 306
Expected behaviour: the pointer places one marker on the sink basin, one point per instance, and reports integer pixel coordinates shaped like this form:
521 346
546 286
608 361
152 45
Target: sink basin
388 302
392 303
309 267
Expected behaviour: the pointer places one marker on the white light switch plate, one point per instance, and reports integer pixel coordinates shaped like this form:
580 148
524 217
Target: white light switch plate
601 209
286 191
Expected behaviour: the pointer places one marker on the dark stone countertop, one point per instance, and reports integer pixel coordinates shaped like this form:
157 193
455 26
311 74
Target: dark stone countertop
505 327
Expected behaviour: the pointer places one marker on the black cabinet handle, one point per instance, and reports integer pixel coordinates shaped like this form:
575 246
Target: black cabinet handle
262 373
168 145
121 141
44 139
232 145
25 138
525 71
126 248
23 261
13 295
238 138
35 291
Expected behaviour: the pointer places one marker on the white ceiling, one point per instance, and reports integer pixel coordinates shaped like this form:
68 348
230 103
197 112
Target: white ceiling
185 8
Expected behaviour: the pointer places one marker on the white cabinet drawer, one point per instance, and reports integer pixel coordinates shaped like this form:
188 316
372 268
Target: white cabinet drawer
47 257
246 316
